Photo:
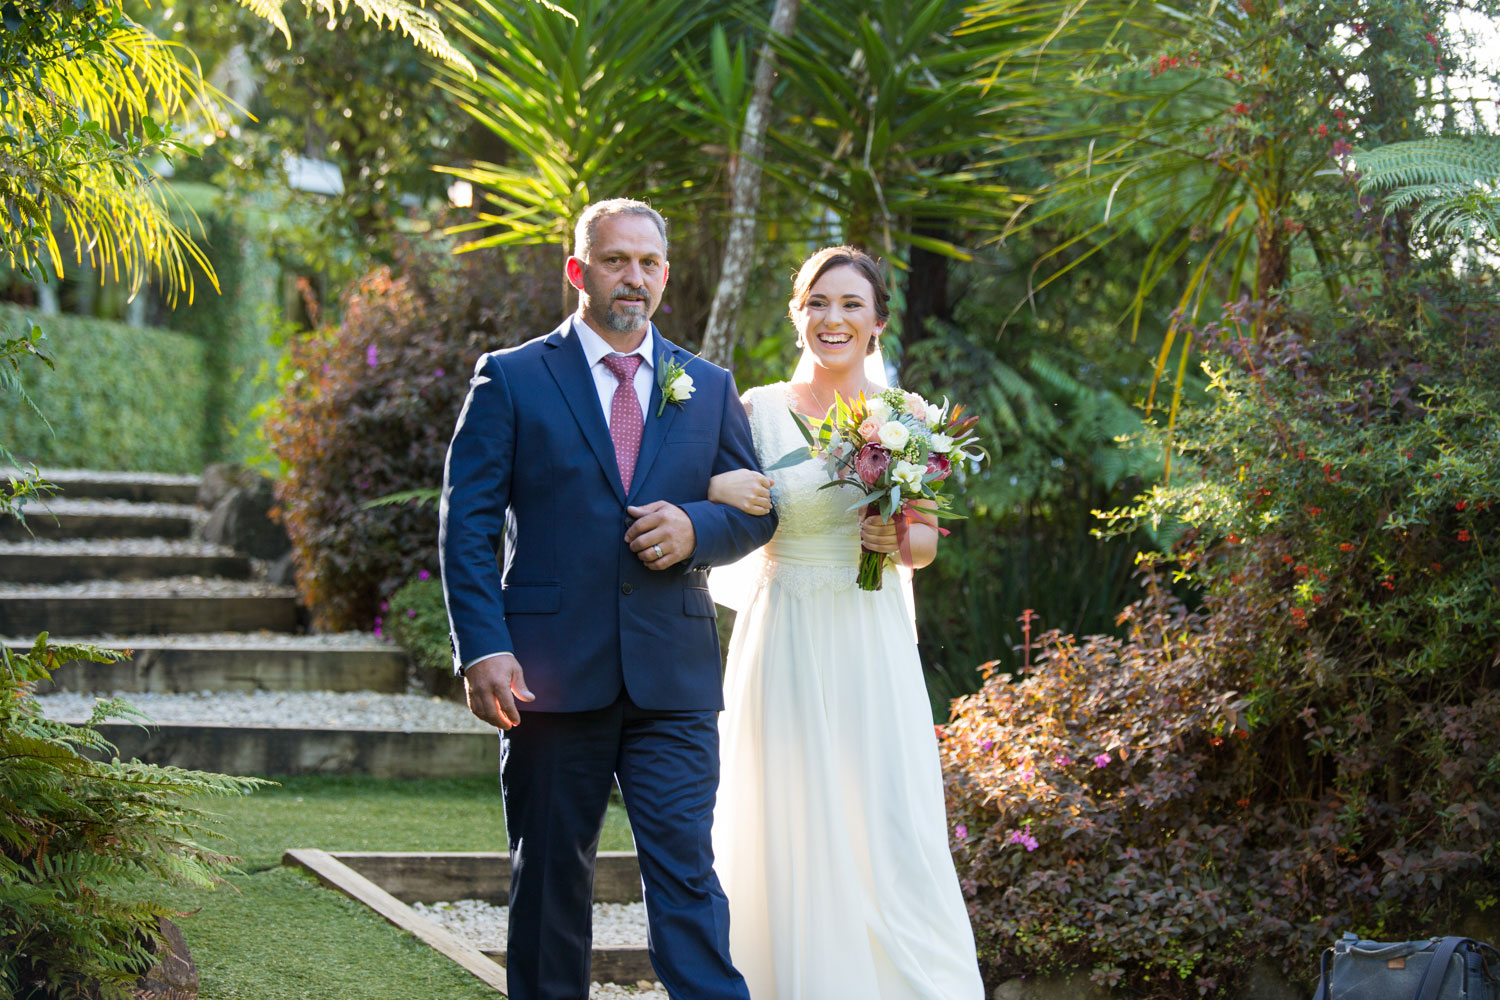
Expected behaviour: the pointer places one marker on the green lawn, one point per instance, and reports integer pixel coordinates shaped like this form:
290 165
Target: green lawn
277 933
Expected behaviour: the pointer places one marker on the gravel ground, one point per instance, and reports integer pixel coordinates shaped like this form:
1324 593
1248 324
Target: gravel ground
58 505
361 641
114 547
61 476
170 586
483 925
283 709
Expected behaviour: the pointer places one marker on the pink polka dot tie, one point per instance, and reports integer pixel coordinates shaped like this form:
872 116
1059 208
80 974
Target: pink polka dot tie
625 419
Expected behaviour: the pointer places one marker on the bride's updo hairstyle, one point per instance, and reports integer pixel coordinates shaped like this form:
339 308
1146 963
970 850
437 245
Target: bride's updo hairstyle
829 258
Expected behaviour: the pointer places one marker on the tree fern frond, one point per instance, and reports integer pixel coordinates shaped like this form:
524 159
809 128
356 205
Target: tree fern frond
1463 160
270 10
420 25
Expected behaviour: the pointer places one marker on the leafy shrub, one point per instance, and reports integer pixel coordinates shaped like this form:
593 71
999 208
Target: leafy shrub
83 841
1312 751
132 398
369 408
416 619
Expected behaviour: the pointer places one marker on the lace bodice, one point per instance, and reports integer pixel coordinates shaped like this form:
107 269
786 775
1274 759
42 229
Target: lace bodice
817 540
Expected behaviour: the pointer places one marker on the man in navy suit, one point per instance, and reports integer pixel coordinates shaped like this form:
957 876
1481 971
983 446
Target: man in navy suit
568 451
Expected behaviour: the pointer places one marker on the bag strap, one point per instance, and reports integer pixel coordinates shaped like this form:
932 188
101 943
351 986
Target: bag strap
1322 993
1437 969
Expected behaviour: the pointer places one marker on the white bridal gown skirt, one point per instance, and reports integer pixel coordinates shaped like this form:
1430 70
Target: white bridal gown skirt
830 835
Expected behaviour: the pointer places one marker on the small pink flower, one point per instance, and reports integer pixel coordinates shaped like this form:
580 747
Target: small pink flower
378 633
1101 760
1062 760
439 373
385 606
424 575
1025 839
961 832
985 746
372 356
411 612
871 462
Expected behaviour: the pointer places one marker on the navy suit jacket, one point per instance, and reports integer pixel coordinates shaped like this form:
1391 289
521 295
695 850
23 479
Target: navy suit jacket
532 462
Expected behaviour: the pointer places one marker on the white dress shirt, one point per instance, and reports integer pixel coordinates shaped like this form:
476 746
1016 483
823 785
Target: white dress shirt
595 348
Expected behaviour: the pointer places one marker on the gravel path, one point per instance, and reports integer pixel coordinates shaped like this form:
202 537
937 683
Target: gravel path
357 641
58 505
283 709
61 476
483 926
114 547
170 586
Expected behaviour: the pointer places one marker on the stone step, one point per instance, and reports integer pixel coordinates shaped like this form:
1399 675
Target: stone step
139 487
60 519
272 751
176 664
152 607
74 565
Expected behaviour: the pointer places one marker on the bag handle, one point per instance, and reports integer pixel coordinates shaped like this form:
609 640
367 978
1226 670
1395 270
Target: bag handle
1437 969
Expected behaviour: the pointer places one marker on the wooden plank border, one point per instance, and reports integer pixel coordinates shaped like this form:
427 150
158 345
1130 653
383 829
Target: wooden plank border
339 876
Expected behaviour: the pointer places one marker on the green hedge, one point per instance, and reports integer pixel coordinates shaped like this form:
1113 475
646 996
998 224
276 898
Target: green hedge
121 397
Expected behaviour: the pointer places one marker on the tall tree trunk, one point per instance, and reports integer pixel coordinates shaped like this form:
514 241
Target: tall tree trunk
739 246
926 288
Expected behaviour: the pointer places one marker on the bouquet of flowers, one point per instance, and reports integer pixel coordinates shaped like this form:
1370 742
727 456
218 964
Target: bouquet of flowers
897 449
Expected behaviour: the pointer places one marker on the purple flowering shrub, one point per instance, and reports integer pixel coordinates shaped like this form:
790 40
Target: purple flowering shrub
369 408
1313 749
416 618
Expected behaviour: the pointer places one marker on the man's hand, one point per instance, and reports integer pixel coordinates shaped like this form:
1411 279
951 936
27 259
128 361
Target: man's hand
492 686
662 534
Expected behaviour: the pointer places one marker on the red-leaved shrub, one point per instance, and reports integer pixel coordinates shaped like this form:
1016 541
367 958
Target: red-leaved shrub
1314 749
371 406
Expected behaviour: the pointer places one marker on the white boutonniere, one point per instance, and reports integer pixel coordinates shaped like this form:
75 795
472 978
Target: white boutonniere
676 384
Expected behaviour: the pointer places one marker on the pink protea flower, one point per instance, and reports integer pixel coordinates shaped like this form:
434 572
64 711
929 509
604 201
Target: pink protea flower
871 463
939 464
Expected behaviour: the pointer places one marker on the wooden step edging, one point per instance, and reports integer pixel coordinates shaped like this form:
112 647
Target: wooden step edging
177 668
272 751
416 877
154 614
333 873
42 524
75 567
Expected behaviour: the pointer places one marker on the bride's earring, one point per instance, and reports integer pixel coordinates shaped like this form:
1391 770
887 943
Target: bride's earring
801 340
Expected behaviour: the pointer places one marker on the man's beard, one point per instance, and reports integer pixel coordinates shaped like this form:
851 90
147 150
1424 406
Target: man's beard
630 320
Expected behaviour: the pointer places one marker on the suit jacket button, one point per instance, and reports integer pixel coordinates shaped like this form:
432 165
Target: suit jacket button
625 589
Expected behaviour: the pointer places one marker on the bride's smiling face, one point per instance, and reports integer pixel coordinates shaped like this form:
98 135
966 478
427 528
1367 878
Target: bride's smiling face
837 318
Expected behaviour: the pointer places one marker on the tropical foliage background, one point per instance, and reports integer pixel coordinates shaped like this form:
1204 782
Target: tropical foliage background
1220 280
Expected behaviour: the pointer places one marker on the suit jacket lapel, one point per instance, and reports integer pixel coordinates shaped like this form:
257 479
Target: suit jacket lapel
656 427
570 368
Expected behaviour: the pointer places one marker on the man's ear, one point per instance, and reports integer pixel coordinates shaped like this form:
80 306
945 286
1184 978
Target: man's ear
574 270
666 272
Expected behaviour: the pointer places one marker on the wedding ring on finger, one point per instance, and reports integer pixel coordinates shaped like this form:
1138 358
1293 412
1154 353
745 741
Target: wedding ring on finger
657 550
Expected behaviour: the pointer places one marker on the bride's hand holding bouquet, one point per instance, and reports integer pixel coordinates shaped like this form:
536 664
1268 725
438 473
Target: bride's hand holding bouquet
900 451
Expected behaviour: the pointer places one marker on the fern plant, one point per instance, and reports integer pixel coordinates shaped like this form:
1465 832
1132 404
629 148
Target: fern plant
1449 184
83 841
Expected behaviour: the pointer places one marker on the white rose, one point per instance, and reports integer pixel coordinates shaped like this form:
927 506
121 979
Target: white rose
894 435
908 474
916 405
880 409
681 388
934 414
941 443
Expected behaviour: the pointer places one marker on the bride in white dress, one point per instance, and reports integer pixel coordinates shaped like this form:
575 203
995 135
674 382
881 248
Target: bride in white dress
830 835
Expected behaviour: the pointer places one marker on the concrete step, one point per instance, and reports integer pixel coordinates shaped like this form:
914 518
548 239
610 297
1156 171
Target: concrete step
140 487
272 751
71 565
59 519
154 607
176 664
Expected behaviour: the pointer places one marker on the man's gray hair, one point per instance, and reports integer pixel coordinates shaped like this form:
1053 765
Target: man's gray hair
583 233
